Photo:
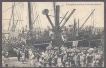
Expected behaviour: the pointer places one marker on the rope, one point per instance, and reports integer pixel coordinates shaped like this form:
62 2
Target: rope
93 21
10 7
21 14
18 13
35 15
32 13
17 16
39 19
10 21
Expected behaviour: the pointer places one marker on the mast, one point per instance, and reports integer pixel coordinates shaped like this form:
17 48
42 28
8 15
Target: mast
13 28
57 27
54 9
78 26
30 21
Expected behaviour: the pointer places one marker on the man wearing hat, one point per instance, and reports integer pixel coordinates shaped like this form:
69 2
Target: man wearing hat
89 57
47 64
6 55
82 59
59 62
64 58
98 60
67 64
30 53
23 57
3 59
18 55
23 47
38 64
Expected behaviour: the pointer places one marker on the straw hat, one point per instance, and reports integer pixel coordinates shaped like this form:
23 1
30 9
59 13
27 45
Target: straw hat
98 57
29 49
91 49
2 52
67 63
55 47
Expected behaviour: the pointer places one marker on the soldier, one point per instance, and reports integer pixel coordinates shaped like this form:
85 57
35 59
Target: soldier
59 62
82 58
64 59
64 37
3 59
19 55
23 47
55 58
38 64
32 61
30 53
6 55
67 64
23 57
47 64
98 60
26 54
89 57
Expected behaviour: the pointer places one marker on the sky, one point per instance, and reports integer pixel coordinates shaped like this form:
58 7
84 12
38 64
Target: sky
83 10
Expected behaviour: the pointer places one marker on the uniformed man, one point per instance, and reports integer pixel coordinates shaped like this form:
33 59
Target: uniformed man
19 55
89 57
6 55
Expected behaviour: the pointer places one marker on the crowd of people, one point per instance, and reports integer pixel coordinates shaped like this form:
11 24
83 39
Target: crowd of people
60 56
55 56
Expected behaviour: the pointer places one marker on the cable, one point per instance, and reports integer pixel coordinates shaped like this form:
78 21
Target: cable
32 14
35 15
17 17
10 8
10 21
38 19
21 14
18 14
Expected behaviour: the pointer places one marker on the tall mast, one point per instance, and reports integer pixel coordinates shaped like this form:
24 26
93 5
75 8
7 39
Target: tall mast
57 27
13 28
78 26
54 4
30 21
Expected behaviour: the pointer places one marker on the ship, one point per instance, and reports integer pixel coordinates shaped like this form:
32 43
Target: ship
36 37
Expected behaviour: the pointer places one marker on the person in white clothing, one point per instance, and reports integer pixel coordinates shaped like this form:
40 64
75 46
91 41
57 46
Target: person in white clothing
23 57
30 54
59 62
32 59
6 55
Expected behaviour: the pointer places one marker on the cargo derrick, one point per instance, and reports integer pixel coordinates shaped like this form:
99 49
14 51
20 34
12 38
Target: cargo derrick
57 29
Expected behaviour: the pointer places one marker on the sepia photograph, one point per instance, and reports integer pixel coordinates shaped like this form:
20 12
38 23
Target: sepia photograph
53 34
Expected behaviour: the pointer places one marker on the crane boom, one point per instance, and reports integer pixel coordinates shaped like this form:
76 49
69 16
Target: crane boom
68 18
64 17
50 20
87 19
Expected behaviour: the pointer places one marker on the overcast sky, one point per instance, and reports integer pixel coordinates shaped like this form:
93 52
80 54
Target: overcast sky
83 10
